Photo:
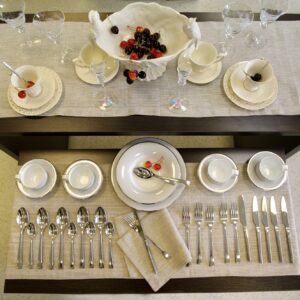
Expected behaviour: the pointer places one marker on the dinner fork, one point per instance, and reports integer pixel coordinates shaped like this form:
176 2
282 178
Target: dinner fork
186 220
234 216
223 220
210 221
198 220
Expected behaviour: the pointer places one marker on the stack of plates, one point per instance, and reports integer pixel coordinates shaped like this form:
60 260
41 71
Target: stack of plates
147 194
236 92
48 98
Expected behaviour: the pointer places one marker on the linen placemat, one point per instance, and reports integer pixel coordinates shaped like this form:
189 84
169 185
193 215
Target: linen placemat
108 199
151 98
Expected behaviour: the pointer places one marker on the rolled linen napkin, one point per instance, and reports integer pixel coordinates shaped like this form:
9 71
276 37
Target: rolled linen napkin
160 228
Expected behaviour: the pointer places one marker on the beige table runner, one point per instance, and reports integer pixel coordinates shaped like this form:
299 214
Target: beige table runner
151 98
114 207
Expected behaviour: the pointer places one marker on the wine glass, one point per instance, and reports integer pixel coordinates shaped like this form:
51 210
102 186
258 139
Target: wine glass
270 11
12 12
106 101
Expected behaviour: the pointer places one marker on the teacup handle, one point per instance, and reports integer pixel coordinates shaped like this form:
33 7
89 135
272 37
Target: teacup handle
65 177
235 172
285 167
219 58
78 62
18 178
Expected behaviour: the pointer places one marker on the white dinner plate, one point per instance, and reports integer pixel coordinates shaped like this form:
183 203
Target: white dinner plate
45 189
256 180
91 190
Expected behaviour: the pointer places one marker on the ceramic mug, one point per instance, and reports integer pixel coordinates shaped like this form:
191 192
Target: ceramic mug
89 55
204 56
271 168
257 66
220 170
29 73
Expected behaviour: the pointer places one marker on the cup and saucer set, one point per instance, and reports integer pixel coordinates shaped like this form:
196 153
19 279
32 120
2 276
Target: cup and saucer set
205 61
251 85
38 97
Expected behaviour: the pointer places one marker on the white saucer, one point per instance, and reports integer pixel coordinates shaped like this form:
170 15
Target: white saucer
46 107
264 93
48 89
50 183
204 77
256 180
207 182
91 190
236 99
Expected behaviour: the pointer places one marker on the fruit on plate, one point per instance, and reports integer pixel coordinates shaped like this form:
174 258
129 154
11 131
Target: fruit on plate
132 75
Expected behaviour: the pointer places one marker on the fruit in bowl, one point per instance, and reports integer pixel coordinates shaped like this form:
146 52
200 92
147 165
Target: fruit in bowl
173 30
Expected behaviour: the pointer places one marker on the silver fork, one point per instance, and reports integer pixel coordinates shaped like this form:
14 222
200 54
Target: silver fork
186 220
210 221
234 216
224 219
198 220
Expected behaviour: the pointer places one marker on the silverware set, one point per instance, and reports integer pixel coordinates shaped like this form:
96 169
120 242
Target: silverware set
236 214
62 224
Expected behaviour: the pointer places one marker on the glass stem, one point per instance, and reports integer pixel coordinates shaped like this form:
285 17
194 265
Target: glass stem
26 40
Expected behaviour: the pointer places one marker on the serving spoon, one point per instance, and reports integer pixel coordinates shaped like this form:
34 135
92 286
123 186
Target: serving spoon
42 220
90 230
82 220
31 232
53 232
22 220
72 234
62 221
100 220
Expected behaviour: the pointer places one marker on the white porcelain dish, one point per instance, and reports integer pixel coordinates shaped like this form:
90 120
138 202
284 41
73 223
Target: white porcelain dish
144 206
43 189
206 178
257 180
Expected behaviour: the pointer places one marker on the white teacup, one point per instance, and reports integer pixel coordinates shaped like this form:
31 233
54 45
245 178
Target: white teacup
257 66
220 170
271 168
29 73
204 56
89 55
80 177
33 176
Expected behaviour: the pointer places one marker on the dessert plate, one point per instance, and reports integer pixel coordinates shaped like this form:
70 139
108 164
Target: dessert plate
204 77
256 179
46 107
263 94
81 192
236 99
208 183
47 187
150 190
144 206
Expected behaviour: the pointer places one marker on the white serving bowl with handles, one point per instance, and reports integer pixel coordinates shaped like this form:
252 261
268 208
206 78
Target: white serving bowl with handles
176 30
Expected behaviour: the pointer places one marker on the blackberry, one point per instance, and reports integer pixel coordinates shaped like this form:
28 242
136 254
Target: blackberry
256 77
114 29
163 48
125 73
155 36
129 81
128 50
142 75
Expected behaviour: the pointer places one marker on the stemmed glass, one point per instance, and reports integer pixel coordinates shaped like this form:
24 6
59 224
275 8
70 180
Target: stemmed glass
106 101
12 12
270 11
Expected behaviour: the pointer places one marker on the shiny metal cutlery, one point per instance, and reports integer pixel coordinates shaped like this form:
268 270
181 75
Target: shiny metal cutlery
255 216
198 219
274 221
22 220
285 221
223 220
72 231
53 232
42 220
265 222
82 220
109 231
31 232
209 217
186 220
62 221
90 230
100 220
243 220
234 217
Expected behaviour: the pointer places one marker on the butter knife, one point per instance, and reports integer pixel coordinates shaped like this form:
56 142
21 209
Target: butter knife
285 220
146 242
274 221
257 228
265 222
243 220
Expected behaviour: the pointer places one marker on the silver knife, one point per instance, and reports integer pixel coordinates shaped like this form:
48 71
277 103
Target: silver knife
276 227
265 222
257 228
243 220
285 220
146 241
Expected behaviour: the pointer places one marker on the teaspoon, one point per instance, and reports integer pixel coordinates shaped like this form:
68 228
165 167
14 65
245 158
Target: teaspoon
42 220
22 220
109 231
62 220
72 234
82 220
100 220
13 71
90 230
31 232
52 234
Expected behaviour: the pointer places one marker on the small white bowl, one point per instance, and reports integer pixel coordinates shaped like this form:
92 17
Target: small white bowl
81 177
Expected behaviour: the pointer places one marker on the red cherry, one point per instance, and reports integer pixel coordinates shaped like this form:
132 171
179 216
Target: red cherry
157 167
22 94
139 29
158 54
134 56
123 44
153 51
148 164
132 75
131 42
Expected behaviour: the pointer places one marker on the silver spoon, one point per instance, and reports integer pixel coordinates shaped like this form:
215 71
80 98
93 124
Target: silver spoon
53 231
146 174
31 232
109 231
62 220
72 234
22 220
16 73
82 220
100 220
42 221
90 230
